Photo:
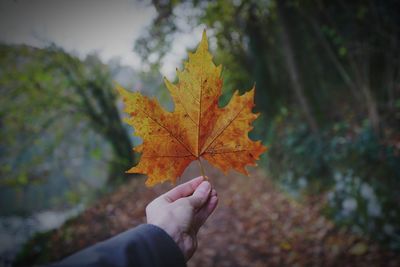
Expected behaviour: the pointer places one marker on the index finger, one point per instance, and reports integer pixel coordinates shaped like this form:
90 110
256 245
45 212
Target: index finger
183 190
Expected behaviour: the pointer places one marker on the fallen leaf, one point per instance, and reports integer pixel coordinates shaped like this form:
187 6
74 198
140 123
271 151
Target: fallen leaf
285 245
197 127
359 249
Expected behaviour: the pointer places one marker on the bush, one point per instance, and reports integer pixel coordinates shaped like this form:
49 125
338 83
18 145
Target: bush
357 170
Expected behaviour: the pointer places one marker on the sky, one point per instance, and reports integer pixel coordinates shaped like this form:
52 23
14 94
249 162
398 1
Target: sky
83 26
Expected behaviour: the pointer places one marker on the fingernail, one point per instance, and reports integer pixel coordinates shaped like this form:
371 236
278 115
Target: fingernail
205 187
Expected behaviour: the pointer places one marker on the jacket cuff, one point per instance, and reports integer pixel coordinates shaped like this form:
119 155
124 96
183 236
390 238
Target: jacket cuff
162 243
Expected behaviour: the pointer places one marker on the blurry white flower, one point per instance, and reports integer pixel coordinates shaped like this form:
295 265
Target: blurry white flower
374 209
338 176
349 204
366 191
339 186
302 182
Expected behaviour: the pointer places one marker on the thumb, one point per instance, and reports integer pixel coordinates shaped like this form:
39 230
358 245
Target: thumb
200 195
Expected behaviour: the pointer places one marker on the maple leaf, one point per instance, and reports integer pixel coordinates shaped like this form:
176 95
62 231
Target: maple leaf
197 127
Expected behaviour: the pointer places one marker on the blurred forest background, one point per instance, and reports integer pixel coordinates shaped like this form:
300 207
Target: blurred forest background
327 77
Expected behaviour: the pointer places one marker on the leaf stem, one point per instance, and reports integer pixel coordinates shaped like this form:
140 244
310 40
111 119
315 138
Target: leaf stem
202 168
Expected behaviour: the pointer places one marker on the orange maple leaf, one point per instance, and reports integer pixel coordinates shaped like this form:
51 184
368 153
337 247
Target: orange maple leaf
197 127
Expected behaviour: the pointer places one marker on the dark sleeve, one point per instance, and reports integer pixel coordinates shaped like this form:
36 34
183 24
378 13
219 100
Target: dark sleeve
145 245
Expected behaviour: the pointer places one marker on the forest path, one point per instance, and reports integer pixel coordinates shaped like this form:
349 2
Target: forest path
254 225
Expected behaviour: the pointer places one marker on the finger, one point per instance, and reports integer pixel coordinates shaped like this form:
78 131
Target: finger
183 190
203 214
200 195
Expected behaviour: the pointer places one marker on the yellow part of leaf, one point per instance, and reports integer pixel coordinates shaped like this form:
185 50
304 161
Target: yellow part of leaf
197 127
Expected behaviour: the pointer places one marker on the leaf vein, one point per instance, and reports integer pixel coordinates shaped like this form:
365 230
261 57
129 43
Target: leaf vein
223 129
169 131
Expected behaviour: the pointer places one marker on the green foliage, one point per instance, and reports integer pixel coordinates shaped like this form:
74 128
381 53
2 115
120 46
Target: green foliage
35 251
349 162
47 95
364 207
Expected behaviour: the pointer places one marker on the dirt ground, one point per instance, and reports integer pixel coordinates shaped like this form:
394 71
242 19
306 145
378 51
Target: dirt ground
254 225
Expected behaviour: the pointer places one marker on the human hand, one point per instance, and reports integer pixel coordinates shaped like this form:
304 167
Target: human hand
182 211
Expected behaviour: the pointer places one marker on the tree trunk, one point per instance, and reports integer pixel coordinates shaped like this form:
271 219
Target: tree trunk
292 67
372 108
263 98
99 104
361 71
123 151
334 59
